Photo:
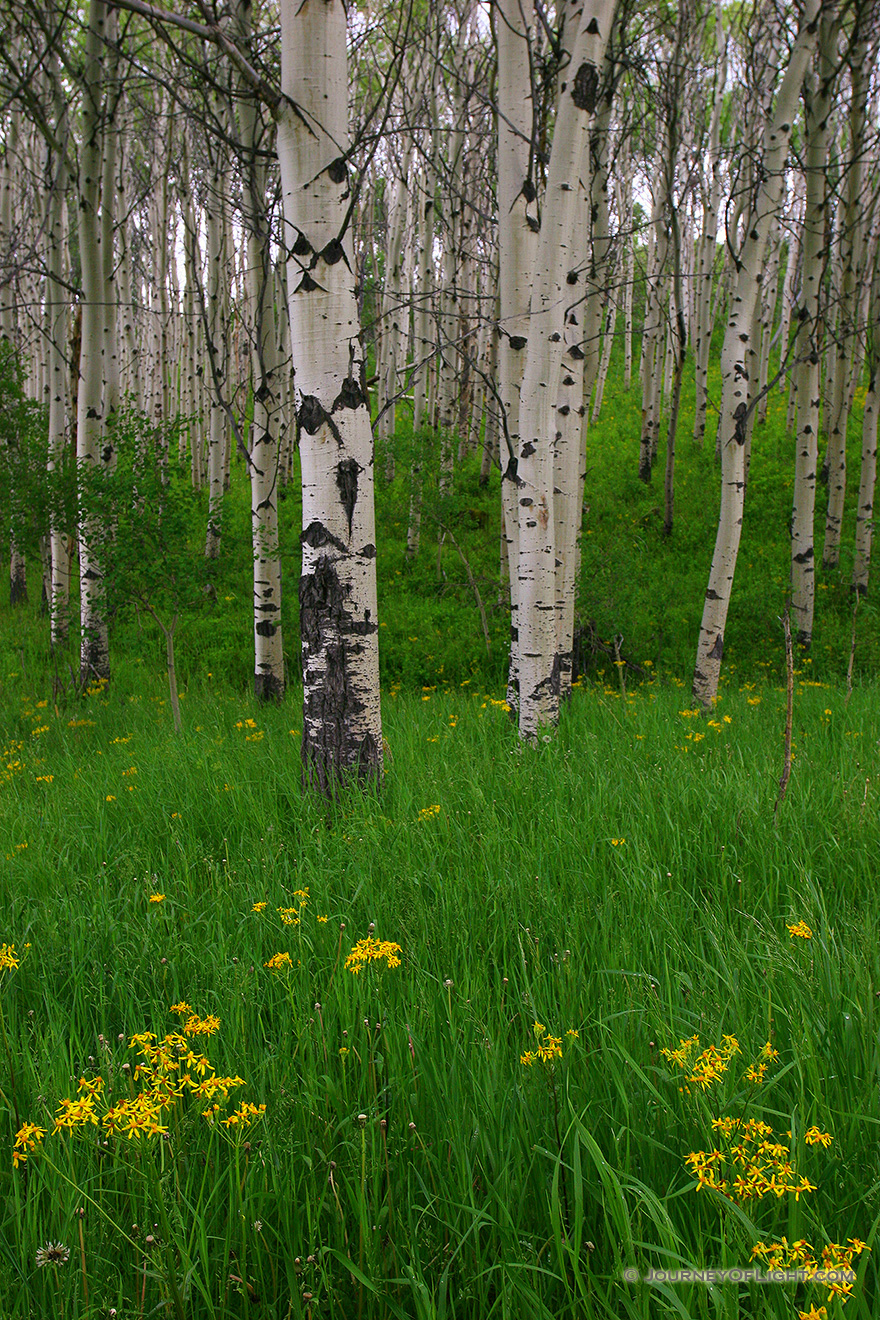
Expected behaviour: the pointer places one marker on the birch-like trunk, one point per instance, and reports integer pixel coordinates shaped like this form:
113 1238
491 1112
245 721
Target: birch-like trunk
393 310
517 245
868 475
216 325
551 292
793 238
817 102
852 236
90 446
708 241
342 732
8 336
264 439
651 338
57 316
732 422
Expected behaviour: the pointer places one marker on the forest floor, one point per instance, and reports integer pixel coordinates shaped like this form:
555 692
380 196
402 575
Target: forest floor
521 1021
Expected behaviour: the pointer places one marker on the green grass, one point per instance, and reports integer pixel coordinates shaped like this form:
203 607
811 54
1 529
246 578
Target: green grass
625 881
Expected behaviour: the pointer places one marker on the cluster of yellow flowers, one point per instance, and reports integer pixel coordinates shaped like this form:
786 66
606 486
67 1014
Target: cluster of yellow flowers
548 1048
800 931
834 1273
371 950
753 1165
169 1070
8 960
278 962
290 916
194 1025
428 813
710 1065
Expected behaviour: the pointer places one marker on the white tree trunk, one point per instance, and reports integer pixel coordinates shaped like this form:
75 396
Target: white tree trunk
57 317
732 422
852 237
342 732
91 447
868 477
517 245
264 438
817 100
551 291
217 361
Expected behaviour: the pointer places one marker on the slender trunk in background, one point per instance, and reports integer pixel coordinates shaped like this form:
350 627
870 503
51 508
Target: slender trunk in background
868 477
92 446
342 731
793 232
732 422
264 441
770 292
393 308
57 317
852 237
8 171
216 326
817 106
422 350
110 138
708 241
651 337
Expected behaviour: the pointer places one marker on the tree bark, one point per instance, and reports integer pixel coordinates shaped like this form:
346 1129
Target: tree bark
342 733
732 423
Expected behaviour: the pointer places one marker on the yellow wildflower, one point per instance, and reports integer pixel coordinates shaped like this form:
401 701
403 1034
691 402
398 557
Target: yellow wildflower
371 950
8 960
278 961
196 1026
246 1113
800 930
157 898
27 1138
258 907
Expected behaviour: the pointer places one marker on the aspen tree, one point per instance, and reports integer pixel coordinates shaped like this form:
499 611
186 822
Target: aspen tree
92 446
591 23
868 474
215 317
708 241
57 316
263 460
342 734
8 338
862 57
735 355
517 245
817 103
